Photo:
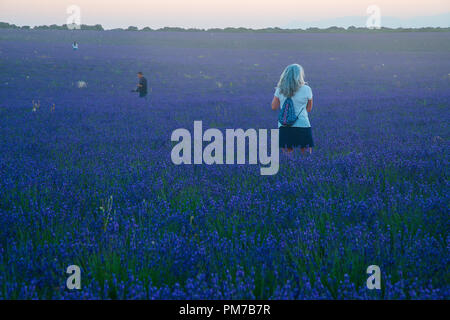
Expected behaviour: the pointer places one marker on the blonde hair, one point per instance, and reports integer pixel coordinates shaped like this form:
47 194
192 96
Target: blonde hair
292 78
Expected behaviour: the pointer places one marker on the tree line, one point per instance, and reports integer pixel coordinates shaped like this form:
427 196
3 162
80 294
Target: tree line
99 27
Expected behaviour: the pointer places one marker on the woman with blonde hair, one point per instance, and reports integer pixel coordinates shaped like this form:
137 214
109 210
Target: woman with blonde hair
292 91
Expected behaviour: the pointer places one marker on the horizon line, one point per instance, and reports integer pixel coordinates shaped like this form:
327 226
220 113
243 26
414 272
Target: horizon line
339 22
147 28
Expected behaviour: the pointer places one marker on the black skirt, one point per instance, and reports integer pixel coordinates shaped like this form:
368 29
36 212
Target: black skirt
291 137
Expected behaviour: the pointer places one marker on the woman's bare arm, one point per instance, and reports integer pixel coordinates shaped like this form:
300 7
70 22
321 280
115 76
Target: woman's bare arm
309 106
275 103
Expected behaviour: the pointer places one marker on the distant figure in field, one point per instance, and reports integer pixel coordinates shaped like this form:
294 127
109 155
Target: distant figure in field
75 45
297 133
142 86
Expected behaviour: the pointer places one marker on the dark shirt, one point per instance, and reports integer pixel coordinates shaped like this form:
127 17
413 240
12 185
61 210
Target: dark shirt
142 89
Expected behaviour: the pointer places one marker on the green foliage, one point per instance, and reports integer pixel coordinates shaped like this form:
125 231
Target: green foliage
332 29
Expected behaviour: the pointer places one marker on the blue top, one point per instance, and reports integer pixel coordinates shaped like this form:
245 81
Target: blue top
143 88
300 99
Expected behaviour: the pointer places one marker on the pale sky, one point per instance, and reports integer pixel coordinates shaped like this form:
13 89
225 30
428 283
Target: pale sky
215 13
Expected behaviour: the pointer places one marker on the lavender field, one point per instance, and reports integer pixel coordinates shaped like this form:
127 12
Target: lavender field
91 183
